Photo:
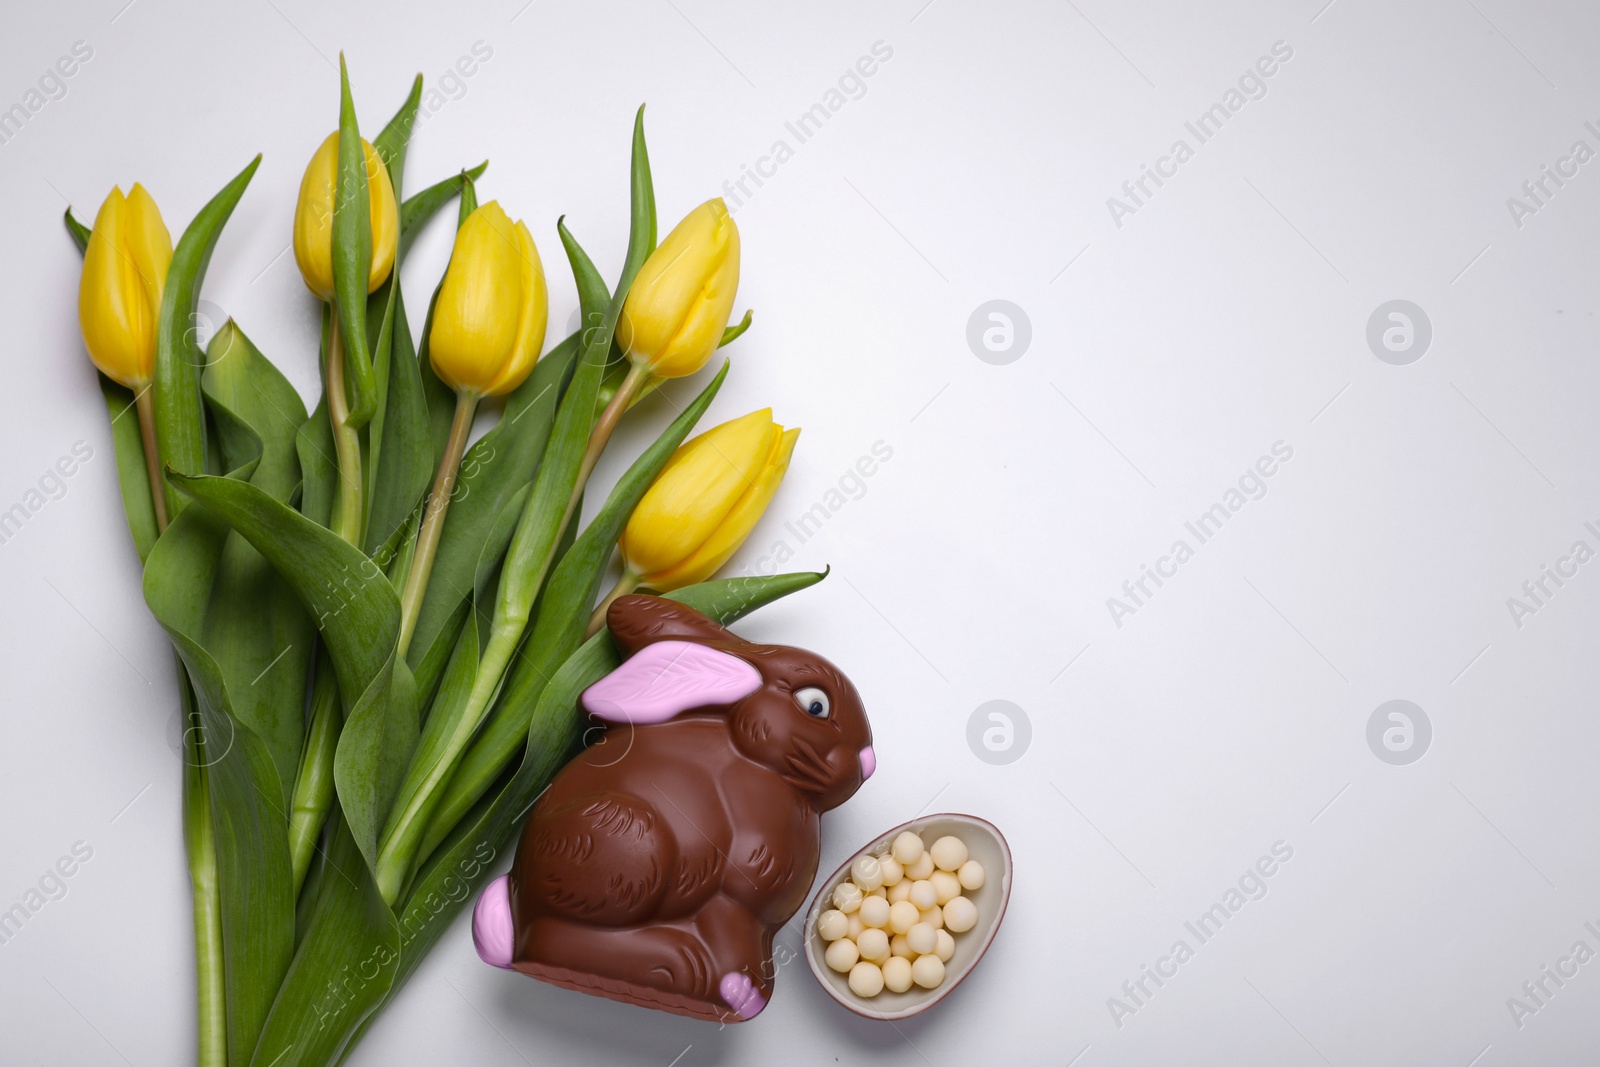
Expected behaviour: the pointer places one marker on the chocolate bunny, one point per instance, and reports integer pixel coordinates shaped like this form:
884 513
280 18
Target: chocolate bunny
658 865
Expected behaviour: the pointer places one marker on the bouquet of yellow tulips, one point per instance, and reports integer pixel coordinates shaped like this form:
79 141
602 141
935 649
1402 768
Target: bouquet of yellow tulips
381 626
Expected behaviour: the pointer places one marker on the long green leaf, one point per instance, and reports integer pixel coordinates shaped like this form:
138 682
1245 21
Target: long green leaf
319 464
563 617
343 969
401 456
132 475
400 461
352 256
544 515
249 670
358 612
421 207
391 144
494 470
265 650
180 419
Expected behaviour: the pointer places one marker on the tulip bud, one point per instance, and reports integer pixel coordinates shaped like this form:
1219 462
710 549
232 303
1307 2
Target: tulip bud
119 296
680 302
313 218
488 325
706 501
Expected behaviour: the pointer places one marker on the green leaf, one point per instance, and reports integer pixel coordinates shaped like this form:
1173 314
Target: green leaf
132 475
495 469
550 506
545 514
593 296
642 236
400 454
469 201
319 463
418 209
180 419
343 969
454 689
391 144
313 784
358 613
78 231
733 332
183 583
563 617
352 256
441 398
257 630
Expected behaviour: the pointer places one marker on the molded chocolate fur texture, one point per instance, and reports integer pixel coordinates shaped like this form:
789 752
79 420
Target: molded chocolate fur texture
659 864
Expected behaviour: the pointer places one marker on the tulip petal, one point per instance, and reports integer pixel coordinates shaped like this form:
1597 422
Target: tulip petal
472 338
681 301
535 310
725 540
693 496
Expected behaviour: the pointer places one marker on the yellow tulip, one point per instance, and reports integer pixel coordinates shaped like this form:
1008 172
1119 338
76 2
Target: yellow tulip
313 218
119 296
706 501
488 325
679 304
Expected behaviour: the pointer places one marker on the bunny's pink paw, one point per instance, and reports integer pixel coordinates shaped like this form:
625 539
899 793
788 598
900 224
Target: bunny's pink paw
492 930
740 994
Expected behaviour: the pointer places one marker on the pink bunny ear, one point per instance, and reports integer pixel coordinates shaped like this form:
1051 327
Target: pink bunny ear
669 677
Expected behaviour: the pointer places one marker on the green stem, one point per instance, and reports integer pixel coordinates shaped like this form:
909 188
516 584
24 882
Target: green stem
444 486
625 585
398 847
152 458
199 838
346 441
313 788
638 377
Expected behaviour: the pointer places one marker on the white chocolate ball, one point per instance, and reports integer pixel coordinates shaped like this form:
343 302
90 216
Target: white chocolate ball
946 887
847 897
970 875
903 916
856 925
945 946
920 869
892 871
842 955
934 917
927 971
879 892
866 873
866 980
924 895
949 853
922 938
907 848
960 915
873 945
832 924
901 890
899 945
897 974
874 912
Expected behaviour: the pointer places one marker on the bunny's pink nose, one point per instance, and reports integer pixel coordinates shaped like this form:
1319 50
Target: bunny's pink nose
869 763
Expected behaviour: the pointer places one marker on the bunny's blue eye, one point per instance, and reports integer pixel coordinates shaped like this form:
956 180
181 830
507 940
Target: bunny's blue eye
813 702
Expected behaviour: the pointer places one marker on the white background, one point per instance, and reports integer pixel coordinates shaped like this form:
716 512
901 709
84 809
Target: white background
1228 313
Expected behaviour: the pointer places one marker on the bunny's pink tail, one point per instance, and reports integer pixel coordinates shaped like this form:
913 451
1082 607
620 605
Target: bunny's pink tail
492 929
